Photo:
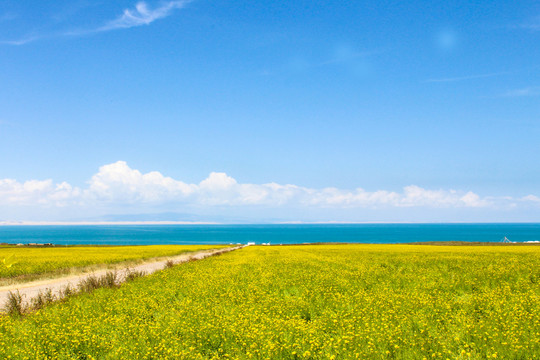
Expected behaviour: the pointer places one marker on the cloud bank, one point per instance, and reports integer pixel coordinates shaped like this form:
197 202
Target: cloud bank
117 184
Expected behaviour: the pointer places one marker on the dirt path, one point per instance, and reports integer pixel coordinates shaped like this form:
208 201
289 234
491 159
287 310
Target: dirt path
30 290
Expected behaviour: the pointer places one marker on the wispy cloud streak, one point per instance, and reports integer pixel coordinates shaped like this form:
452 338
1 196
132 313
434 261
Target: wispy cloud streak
523 92
22 41
533 25
141 14
466 77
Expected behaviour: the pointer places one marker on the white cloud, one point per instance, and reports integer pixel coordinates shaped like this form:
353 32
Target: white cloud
523 92
417 196
34 192
117 184
216 182
532 198
333 197
142 15
473 200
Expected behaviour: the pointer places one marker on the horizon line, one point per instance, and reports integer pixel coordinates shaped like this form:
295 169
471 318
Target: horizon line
97 223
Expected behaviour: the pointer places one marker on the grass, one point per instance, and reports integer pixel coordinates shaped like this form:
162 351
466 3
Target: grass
16 307
303 302
134 274
43 299
21 264
92 282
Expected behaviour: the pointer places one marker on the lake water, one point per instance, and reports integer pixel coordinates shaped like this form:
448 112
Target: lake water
273 234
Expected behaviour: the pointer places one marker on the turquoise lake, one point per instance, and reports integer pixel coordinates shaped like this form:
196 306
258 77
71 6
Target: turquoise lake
273 234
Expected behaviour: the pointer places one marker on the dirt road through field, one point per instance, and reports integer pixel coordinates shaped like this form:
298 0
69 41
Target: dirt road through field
30 290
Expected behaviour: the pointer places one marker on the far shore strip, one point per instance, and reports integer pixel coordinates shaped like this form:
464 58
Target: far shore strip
32 289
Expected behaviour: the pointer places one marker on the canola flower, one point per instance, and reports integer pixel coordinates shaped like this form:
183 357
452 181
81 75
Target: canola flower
22 261
7 262
303 302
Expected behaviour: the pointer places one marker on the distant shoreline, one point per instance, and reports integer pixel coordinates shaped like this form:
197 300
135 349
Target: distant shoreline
88 223
75 223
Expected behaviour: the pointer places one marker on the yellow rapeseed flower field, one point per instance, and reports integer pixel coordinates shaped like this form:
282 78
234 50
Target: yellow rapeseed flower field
304 302
21 260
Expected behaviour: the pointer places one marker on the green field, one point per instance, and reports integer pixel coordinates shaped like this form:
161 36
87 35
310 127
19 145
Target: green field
303 302
25 263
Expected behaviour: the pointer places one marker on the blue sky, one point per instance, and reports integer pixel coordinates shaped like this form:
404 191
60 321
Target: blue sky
353 105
